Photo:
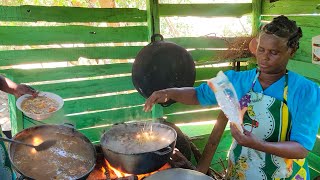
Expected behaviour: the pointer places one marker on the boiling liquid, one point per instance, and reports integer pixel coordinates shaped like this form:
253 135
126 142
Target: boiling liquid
70 158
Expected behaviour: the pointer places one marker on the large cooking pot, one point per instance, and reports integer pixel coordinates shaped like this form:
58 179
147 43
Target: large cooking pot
162 65
139 147
72 157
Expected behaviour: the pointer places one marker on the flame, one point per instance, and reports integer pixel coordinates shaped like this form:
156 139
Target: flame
120 174
103 170
36 141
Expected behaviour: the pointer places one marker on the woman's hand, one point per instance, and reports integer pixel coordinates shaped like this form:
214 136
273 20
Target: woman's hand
246 138
22 89
160 96
185 95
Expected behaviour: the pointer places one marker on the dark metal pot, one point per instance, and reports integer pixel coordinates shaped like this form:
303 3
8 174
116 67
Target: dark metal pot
76 142
161 65
122 150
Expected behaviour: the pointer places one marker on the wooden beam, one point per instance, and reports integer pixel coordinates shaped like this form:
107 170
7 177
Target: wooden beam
290 7
201 42
70 14
306 69
256 16
43 35
206 10
154 28
29 56
153 17
15 116
212 144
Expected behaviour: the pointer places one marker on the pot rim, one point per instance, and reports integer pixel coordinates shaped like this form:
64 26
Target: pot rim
139 122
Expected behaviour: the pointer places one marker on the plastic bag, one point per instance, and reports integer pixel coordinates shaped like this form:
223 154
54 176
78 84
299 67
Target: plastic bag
227 98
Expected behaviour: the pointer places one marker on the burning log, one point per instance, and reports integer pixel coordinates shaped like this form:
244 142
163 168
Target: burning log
133 177
178 160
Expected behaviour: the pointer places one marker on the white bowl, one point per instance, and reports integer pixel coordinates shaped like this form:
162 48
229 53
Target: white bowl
40 116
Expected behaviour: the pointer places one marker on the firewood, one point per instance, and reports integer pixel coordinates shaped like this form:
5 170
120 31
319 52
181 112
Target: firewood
178 160
212 144
196 152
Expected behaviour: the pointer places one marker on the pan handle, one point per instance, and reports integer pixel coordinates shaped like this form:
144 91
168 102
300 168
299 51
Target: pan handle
153 37
161 153
69 125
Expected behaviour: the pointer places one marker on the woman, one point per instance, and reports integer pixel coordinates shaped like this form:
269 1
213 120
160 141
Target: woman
283 109
17 90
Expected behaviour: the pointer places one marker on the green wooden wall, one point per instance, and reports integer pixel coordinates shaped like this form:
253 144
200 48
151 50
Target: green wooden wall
100 95
307 15
97 96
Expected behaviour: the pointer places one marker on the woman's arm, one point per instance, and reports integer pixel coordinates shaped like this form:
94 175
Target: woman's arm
17 90
186 95
7 85
287 149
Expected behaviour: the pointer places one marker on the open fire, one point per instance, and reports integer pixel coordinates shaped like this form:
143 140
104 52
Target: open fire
116 174
104 171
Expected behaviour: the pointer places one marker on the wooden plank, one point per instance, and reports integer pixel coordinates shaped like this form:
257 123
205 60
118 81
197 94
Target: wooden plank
302 20
207 55
108 117
188 117
201 42
314 166
49 74
181 108
88 87
70 14
308 70
101 103
209 72
206 10
94 121
316 147
290 7
15 57
37 35
213 56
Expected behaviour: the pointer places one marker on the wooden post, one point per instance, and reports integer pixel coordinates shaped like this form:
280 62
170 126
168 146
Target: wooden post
154 28
256 16
153 17
16 117
212 144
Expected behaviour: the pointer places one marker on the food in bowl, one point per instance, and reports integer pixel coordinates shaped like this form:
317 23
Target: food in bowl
39 105
44 106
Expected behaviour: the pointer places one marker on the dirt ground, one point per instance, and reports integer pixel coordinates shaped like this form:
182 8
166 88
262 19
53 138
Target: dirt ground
4 112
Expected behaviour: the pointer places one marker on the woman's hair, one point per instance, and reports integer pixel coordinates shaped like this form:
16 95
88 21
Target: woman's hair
282 27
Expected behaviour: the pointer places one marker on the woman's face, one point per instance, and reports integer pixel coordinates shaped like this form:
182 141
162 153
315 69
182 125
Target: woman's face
272 53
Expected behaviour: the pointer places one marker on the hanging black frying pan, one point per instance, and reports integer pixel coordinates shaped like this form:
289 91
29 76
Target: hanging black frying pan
161 65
